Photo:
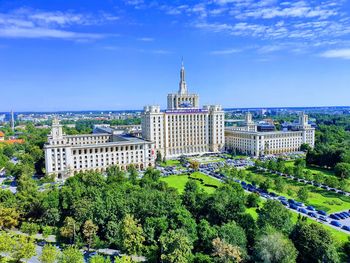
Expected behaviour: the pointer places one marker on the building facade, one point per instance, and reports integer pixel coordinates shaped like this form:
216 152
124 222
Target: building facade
184 128
68 154
248 140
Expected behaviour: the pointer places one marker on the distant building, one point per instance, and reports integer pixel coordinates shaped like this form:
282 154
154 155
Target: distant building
68 154
249 140
184 128
12 140
2 136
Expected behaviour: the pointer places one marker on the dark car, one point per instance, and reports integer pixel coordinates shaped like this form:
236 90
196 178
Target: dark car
335 216
312 214
293 206
291 201
283 198
341 216
284 203
347 228
335 223
311 208
302 210
323 218
321 212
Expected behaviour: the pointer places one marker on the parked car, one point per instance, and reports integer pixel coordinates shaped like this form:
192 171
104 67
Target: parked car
321 212
302 210
323 218
311 208
284 203
335 223
347 228
312 214
293 206
335 216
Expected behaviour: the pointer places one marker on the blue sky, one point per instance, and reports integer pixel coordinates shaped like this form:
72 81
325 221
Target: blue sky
98 55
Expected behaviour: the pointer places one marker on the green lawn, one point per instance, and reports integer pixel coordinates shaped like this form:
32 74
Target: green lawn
319 198
179 181
313 169
170 163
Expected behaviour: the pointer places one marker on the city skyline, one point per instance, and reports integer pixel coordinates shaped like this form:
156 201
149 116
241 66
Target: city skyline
122 55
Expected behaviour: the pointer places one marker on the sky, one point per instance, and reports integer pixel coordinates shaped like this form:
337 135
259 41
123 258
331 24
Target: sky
123 54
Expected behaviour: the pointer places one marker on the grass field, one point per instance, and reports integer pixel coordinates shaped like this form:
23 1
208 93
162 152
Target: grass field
313 169
179 181
319 198
170 163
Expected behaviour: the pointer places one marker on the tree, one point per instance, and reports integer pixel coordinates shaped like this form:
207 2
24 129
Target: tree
253 200
24 248
6 243
30 228
226 252
305 147
8 217
266 185
89 232
206 234
49 254
225 203
274 214
99 259
275 248
69 229
176 247
131 235
194 165
132 173
280 184
303 194
342 170
71 254
193 197
159 157
314 243
234 235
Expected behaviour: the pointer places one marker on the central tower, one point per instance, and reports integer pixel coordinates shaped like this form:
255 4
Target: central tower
182 100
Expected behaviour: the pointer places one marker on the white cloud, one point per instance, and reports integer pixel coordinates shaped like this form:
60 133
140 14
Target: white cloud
225 51
146 39
337 53
27 23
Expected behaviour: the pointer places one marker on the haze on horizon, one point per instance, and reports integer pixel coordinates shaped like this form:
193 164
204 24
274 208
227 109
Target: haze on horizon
119 55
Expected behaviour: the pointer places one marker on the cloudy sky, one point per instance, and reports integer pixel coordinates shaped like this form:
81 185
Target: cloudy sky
115 54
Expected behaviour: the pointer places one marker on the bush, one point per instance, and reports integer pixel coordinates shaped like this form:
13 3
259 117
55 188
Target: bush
30 228
46 231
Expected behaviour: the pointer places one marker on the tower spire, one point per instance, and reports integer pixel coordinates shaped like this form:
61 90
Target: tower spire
182 84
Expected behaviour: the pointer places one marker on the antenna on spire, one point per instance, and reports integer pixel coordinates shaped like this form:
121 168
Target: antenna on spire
182 61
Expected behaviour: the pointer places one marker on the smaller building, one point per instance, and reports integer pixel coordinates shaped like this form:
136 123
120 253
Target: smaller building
68 154
251 140
2 136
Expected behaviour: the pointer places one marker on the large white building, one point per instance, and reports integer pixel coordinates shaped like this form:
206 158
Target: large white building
68 154
248 140
184 128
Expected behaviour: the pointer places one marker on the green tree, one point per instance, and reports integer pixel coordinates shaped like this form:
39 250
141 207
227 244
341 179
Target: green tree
6 243
89 232
24 248
225 203
234 235
131 235
280 184
176 247
69 229
275 248
193 198
314 243
8 217
342 170
99 259
303 194
253 200
71 254
30 228
274 214
49 254
206 234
